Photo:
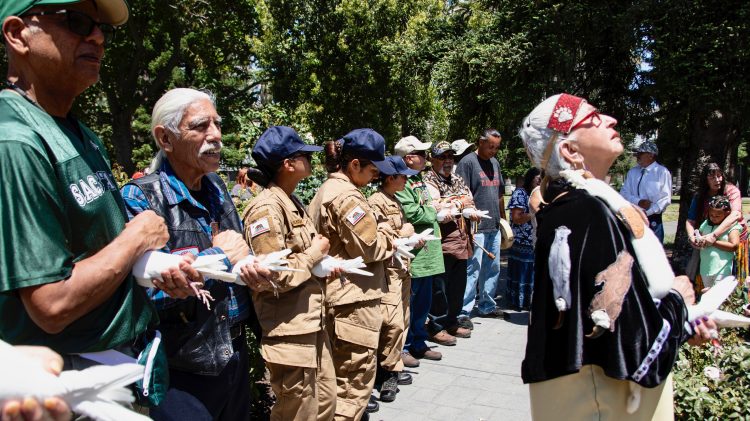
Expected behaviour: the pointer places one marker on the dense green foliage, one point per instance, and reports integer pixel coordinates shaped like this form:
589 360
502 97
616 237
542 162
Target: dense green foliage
698 397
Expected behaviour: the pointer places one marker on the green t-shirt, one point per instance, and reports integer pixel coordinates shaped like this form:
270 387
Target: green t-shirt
59 204
713 260
418 209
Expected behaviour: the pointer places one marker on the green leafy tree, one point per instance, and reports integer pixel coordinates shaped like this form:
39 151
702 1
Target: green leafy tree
698 82
332 62
193 43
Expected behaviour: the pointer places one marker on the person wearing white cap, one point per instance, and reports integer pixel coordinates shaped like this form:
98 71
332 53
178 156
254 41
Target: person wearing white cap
608 315
461 148
649 186
428 261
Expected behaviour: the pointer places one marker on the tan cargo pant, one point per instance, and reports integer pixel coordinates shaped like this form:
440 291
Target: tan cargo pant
392 337
354 331
591 395
405 300
304 393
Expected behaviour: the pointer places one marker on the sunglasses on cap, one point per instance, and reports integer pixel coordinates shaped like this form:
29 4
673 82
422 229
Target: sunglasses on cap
719 202
79 23
444 156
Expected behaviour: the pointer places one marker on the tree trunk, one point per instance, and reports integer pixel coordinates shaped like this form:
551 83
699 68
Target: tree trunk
122 139
713 136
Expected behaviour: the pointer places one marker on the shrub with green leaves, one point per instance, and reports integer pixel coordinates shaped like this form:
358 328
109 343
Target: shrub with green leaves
699 397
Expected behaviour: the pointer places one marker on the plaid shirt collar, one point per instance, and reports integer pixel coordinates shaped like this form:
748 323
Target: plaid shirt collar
176 191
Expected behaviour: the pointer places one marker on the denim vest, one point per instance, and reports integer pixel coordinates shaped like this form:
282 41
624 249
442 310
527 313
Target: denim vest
197 340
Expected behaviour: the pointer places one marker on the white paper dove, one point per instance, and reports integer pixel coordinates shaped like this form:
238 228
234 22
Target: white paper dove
412 241
275 262
469 212
153 263
443 214
712 299
325 267
97 392
724 319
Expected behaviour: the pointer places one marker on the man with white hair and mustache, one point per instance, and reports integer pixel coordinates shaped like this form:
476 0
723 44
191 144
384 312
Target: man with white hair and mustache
206 348
452 196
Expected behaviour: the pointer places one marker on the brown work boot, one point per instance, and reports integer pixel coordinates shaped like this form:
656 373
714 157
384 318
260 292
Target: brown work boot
459 332
443 338
429 354
409 360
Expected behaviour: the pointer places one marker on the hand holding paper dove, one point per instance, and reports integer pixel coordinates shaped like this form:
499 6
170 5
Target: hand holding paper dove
97 392
473 213
326 266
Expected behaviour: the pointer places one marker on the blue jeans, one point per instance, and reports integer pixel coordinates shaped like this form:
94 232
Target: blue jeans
659 231
421 300
483 273
520 276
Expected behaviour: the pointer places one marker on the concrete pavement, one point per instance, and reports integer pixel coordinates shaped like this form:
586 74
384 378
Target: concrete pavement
479 379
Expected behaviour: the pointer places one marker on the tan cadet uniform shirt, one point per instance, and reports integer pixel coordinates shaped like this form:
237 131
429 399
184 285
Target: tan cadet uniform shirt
298 309
341 213
388 209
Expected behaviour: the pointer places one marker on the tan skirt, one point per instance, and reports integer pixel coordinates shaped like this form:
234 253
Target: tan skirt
591 395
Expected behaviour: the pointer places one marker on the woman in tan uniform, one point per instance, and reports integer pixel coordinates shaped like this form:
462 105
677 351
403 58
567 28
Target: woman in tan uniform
341 213
291 313
394 306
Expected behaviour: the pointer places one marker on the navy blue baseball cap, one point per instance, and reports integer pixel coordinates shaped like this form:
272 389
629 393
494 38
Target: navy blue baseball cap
400 166
366 144
278 143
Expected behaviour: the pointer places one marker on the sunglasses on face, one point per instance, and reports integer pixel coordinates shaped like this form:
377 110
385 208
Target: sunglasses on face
80 23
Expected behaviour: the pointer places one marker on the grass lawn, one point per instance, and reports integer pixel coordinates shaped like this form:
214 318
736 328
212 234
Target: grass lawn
673 210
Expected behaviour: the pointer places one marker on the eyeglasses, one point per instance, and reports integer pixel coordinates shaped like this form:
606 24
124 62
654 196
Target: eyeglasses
80 23
418 153
594 116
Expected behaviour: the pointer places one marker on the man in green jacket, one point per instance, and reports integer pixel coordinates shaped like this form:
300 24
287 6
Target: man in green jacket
428 261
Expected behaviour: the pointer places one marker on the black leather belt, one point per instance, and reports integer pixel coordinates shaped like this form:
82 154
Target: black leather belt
236 330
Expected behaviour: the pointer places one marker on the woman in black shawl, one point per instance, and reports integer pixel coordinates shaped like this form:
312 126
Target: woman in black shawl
608 316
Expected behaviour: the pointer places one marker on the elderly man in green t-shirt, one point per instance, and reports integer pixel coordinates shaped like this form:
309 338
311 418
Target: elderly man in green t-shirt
65 250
